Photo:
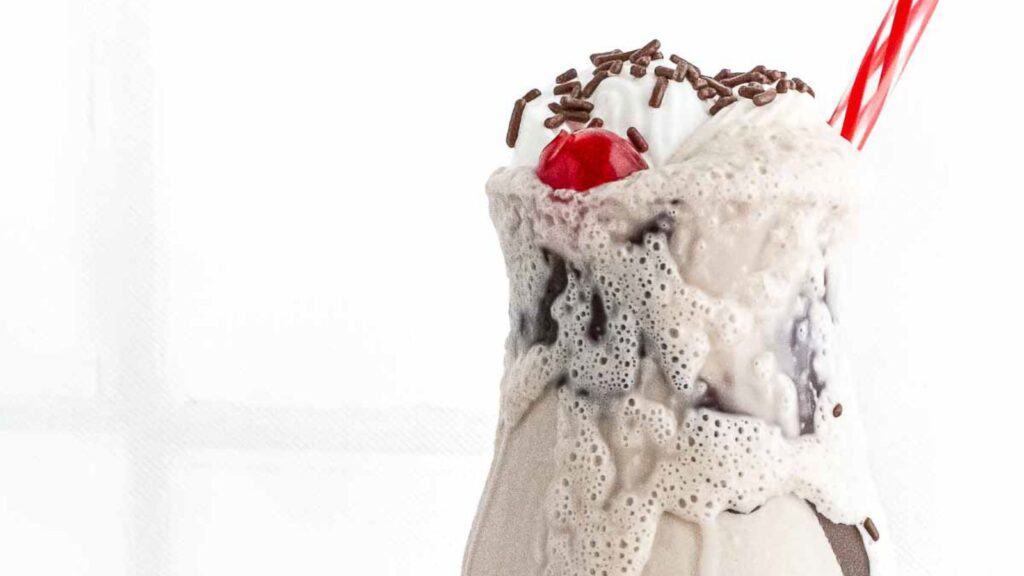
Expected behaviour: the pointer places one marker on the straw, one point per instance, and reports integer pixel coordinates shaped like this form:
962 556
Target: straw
886 57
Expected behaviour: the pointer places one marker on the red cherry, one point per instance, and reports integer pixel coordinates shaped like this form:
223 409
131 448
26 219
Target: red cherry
586 158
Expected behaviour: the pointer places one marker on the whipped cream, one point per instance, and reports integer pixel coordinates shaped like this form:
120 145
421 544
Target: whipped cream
622 101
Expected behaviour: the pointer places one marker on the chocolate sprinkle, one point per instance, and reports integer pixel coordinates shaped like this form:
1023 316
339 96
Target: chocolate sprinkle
567 88
658 94
682 71
765 97
513 124
670 73
760 84
718 87
611 57
872 530
597 56
750 90
679 60
576 115
689 65
738 79
706 92
637 139
721 103
599 77
651 47
802 86
837 411
569 74
696 80
569 103
554 121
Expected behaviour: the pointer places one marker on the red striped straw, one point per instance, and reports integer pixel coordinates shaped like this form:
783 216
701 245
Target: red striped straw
885 59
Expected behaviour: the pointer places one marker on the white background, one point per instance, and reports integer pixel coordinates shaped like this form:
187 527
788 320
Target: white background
252 309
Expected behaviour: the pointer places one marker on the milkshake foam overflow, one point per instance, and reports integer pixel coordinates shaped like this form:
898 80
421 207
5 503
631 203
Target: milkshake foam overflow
673 400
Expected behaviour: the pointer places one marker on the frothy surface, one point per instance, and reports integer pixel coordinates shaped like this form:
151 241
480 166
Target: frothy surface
682 315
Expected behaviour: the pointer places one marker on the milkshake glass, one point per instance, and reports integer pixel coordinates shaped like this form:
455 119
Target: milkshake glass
673 399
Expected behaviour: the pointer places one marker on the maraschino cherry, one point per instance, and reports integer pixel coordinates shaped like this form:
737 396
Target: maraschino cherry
586 158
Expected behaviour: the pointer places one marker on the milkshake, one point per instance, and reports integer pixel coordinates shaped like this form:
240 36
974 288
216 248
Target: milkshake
673 399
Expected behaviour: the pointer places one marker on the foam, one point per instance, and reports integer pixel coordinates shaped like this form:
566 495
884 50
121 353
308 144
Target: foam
683 316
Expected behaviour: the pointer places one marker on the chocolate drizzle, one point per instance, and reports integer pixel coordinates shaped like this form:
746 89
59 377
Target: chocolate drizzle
847 545
546 327
660 224
598 318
